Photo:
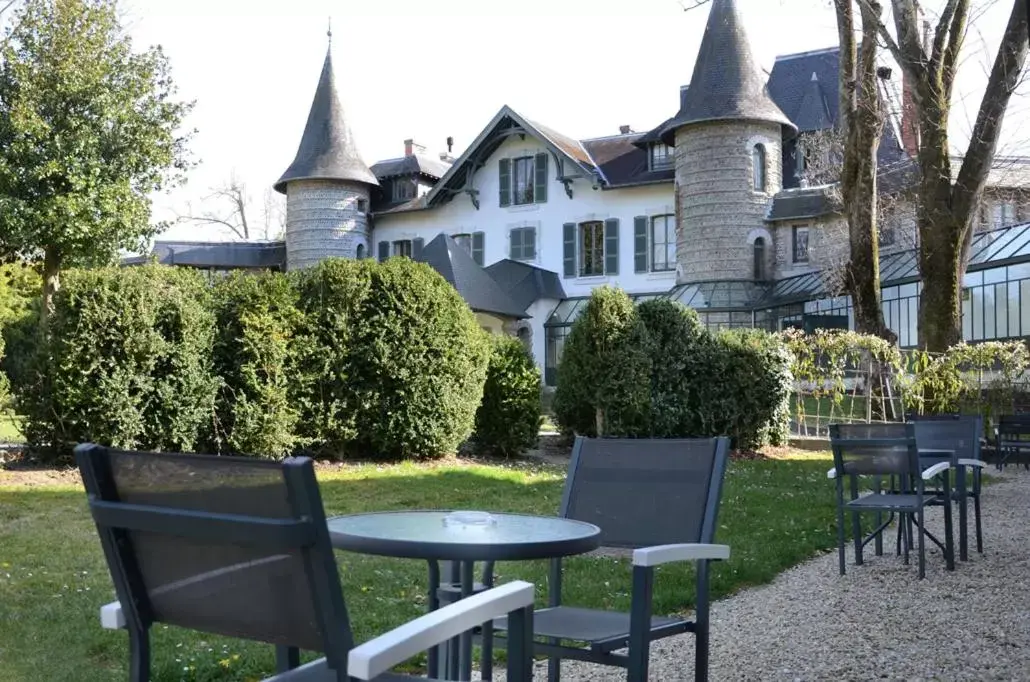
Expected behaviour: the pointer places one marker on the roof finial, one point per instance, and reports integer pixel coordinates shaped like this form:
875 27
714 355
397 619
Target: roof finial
329 33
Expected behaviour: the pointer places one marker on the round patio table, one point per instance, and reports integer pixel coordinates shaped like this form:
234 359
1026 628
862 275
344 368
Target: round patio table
461 537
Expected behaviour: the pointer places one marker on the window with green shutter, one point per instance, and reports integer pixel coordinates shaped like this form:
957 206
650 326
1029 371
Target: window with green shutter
591 248
522 186
540 179
663 243
522 243
384 251
416 248
611 246
504 178
640 243
569 249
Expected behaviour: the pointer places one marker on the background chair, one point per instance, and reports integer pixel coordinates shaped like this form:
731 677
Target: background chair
877 450
660 498
239 547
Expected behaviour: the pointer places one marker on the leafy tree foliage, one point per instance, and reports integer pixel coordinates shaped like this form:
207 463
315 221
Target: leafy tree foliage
508 419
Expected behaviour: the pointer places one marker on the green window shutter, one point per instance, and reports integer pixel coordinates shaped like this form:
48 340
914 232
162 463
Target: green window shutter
504 177
640 244
529 243
611 246
384 251
478 239
416 248
515 244
569 253
540 179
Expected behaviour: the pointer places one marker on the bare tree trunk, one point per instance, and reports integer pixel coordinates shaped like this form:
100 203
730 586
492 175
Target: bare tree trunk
51 283
862 121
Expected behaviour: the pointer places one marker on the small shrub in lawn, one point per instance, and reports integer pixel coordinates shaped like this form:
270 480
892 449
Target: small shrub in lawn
604 376
127 363
256 318
392 361
508 419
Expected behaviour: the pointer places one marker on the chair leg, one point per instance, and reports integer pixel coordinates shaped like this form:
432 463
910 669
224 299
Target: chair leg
922 544
487 646
139 653
286 658
840 526
701 659
639 644
979 527
554 670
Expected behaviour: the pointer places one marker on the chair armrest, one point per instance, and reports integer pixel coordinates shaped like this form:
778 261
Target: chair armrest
662 554
111 616
937 468
973 463
832 473
378 655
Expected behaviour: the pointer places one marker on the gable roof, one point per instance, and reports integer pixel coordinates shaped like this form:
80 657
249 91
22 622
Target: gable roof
505 123
790 86
623 161
327 150
524 283
474 285
728 83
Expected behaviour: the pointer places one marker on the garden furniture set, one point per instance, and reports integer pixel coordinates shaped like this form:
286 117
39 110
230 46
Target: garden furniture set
242 547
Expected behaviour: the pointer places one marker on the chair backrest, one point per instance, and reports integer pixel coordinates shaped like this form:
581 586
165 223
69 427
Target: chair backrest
958 433
1014 427
874 449
643 492
226 545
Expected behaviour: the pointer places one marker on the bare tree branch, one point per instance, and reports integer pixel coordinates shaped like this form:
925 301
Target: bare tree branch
231 212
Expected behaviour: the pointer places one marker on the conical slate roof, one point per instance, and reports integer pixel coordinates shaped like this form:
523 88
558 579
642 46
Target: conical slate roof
727 83
327 150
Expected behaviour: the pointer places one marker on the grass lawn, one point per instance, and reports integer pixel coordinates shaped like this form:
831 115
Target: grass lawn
53 578
9 428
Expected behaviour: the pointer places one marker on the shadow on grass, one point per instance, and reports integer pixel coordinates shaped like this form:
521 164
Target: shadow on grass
53 578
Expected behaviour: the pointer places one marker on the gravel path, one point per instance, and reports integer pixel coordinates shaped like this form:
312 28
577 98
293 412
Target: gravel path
879 621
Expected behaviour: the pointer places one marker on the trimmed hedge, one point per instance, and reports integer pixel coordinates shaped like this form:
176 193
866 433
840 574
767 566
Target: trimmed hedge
256 317
392 361
660 373
604 377
128 362
508 418
20 288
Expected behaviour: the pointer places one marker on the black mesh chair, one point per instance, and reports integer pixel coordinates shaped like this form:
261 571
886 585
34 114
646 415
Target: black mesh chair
1012 440
875 451
961 434
239 547
659 498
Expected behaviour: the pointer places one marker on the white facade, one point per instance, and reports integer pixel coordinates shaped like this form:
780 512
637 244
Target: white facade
546 223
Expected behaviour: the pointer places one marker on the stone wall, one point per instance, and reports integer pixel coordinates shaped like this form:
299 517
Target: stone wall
828 246
323 219
718 205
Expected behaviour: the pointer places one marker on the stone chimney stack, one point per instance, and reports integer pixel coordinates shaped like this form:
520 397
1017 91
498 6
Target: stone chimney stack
411 147
625 130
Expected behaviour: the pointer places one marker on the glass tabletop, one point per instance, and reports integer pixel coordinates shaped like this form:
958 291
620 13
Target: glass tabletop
462 535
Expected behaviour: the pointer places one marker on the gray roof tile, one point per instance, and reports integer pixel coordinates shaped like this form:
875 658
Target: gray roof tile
327 150
728 83
410 165
479 289
525 283
623 161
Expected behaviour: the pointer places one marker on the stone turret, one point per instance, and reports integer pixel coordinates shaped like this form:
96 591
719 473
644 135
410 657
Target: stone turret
727 123
327 186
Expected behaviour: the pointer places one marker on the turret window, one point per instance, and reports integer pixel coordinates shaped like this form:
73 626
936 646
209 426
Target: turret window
759 268
800 239
758 164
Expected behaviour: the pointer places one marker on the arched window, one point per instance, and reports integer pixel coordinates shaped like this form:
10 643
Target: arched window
760 259
758 162
361 251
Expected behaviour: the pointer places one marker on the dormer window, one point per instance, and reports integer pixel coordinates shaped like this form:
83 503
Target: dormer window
403 189
758 166
661 157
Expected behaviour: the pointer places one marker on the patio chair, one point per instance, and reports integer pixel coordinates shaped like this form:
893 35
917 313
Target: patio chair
239 547
658 498
877 450
960 433
1012 440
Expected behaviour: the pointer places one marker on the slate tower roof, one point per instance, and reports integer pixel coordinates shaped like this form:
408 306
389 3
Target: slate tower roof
727 83
327 150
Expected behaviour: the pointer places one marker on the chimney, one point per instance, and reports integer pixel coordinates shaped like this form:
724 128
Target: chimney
625 130
411 147
909 124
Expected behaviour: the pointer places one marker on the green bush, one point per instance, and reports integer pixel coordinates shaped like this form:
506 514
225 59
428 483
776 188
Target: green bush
508 419
605 369
680 348
128 363
20 287
392 361
256 318
747 392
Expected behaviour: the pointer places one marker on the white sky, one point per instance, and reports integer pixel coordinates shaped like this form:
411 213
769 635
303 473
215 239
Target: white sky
427 70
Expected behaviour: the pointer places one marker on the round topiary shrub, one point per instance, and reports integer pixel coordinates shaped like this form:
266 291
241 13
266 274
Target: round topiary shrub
256 318
127 362
508 419
604 375
679 347
392 360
